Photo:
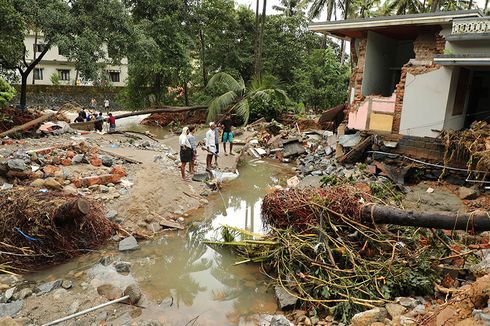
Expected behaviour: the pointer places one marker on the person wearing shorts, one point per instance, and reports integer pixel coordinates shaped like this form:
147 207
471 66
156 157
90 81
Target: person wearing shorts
227 133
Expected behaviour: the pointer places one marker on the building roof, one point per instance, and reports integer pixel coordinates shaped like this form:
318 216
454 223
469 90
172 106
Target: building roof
391 25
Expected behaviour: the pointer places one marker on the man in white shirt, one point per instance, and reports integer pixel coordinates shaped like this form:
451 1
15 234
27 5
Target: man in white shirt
210 145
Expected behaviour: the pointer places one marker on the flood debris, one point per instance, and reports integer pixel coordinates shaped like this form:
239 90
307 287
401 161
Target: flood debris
42 228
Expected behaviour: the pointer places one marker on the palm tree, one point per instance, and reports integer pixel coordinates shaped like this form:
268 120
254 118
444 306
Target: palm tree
404 7
290 8
239 96
318 6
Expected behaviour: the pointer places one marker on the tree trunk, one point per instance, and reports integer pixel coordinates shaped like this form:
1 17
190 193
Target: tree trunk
203 58
342 46
23 90
186 94
330 6
28 125
261 40
70 211
257 36
486 6
435 6
478 222
470 4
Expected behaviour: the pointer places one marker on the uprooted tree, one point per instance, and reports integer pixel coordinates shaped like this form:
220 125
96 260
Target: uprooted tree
89 33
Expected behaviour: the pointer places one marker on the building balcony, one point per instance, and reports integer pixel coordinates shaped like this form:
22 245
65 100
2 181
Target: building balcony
468 29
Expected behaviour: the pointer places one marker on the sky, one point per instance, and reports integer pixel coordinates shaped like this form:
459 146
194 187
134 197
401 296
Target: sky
271 3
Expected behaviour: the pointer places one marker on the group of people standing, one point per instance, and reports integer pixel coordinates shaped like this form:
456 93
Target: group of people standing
188 144
98 119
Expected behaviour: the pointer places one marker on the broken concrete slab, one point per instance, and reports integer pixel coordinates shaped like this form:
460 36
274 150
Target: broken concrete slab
48 287
171 224
293 147
467 193
310 181
350 140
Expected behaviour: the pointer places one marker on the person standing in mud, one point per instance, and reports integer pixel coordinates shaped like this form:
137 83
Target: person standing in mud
210 146
185 151
227 133
99 122
193 142
112 122
93 104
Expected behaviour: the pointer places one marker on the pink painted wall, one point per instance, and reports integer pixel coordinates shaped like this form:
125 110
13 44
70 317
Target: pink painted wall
358 119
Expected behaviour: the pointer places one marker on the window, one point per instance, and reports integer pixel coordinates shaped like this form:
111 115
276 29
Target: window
114 76
39 47
38 73
64 74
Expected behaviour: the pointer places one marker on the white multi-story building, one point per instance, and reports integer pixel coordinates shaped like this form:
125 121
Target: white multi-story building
54 67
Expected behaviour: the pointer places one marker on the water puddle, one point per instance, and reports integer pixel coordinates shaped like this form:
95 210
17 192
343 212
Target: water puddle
183 278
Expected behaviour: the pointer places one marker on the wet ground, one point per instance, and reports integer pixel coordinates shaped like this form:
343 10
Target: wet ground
181 277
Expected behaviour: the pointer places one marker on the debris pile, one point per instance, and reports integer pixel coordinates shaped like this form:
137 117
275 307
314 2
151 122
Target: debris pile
45 228
164 119
471 145
322 253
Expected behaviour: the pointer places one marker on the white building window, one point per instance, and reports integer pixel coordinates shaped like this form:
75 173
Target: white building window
38 73
64 74
39 47
114 76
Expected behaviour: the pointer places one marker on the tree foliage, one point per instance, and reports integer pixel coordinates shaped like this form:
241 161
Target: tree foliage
7 93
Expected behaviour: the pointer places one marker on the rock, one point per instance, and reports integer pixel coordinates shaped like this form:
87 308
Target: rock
101 318
17 165
107 161
366 318
128 243
67 284
104 189
8 295
200 177
8 321
77 159
284 299
407 302
51 183
73 308
467 193
483 267
38 183
105 261
109 291
403 321
122 267
134 293
48 287
281 321
11 309
111 215
154 227
418 310
22 294
7 186
395 310
70 190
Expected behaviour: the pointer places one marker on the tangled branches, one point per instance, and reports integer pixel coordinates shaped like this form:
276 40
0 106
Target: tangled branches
30 237
319 251
471 145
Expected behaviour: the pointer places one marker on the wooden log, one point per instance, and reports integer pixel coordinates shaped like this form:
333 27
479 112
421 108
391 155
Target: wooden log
90 124
478 221
28 125
71 210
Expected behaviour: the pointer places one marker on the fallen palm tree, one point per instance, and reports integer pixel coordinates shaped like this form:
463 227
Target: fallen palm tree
39 229
323 249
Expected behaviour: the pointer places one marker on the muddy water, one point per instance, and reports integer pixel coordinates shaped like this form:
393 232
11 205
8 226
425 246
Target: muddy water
183 278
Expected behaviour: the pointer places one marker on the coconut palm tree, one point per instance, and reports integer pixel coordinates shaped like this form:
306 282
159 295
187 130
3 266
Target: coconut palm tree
237 96
403 7
290 8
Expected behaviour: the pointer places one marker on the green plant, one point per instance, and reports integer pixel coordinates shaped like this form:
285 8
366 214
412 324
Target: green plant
55 78
7 93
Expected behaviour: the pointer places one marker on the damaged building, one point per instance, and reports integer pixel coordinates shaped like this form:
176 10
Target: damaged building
416 75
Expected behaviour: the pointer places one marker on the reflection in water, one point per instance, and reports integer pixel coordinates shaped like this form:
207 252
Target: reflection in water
202 281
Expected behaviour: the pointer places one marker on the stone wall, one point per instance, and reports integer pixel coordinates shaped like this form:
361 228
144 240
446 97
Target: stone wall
55 96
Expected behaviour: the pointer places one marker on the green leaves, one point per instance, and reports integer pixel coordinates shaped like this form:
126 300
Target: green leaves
7 93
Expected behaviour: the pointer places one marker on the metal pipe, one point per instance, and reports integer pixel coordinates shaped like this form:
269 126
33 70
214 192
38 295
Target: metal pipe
83 312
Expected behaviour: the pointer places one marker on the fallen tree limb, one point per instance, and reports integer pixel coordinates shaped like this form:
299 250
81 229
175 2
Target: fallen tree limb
478 221
162 109
71 210
28 125
122 157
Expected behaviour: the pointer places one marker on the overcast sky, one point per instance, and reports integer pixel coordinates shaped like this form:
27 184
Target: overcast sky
270 3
